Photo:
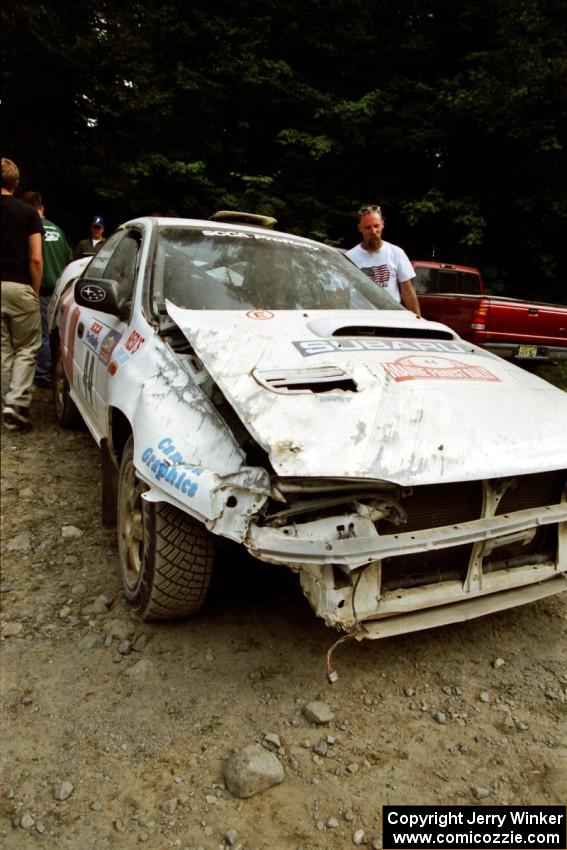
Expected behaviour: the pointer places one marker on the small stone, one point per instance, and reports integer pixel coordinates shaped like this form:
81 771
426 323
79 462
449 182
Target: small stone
332 823
318 712
119 629
353 767
71 532
230 836
96 806
169 806
484 696
20 543
140 643
11 629
124 647
27 822
100 605
552 695
63 790
209 655
498 662
78 590
119 825
211 799
40 827
252 770
273 740
358 837
440 717
89 641
376 843
409 692
480 793
141 669
321 748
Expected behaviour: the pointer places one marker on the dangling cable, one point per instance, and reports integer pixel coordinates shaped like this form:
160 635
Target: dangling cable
332 675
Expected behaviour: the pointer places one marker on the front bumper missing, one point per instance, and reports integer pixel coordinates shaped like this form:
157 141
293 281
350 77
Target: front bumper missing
467 609
341 571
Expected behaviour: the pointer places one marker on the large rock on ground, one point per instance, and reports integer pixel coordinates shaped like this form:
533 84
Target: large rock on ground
252 770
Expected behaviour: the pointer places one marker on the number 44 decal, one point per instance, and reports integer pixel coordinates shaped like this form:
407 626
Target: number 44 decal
88 375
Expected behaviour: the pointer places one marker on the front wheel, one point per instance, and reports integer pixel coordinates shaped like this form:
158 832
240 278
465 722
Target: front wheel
166 557
65 409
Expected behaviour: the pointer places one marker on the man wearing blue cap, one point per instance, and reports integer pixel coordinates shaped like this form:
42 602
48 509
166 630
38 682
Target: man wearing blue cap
89 247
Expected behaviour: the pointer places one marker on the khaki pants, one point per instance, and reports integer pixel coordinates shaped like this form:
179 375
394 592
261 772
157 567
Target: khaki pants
21 340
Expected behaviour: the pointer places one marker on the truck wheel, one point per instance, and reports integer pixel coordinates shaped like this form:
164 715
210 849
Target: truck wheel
65 409
166 557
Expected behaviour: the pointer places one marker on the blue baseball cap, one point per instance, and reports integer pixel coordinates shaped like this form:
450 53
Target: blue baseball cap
97 221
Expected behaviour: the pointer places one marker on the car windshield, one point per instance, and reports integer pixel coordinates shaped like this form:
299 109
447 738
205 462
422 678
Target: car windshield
215 269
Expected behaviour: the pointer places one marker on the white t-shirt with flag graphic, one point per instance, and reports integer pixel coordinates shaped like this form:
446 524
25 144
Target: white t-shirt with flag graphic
387 267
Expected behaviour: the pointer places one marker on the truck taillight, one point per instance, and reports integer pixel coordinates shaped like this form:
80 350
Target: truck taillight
478 322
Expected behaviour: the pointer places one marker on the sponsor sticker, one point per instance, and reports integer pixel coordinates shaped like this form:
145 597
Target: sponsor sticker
108 345
172 469
262 237
310 347
435 369
260 314
134 342
92 336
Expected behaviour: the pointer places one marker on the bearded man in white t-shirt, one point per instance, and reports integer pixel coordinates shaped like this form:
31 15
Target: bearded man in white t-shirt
384 263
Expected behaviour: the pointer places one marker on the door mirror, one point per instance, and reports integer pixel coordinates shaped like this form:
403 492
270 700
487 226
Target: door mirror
102 295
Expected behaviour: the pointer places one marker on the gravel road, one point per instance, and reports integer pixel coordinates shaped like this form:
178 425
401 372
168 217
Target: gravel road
116 733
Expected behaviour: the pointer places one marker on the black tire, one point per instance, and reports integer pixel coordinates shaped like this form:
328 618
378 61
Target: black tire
166 557
65 409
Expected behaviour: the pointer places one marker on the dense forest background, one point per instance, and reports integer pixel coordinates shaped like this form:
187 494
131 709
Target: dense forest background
450 115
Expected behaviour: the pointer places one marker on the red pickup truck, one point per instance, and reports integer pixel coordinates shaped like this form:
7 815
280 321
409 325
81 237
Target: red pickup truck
514 329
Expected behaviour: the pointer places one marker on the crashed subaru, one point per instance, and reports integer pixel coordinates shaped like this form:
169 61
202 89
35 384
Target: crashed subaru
254 385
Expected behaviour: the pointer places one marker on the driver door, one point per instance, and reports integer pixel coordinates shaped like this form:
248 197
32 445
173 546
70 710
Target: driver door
97 333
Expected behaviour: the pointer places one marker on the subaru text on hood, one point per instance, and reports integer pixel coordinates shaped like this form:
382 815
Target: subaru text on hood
255 385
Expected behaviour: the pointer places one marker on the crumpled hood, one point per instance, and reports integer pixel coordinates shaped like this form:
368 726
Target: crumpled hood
412 411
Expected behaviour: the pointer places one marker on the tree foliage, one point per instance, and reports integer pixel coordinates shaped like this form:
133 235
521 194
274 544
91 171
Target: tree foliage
452 116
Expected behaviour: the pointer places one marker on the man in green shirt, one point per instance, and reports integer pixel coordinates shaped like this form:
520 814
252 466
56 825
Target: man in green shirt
56 254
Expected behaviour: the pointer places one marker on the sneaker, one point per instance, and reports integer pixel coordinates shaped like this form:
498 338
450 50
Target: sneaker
16 418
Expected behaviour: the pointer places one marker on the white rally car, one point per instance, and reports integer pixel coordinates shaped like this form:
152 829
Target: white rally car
255 385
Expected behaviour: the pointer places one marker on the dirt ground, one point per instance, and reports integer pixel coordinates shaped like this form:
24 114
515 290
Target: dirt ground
115 732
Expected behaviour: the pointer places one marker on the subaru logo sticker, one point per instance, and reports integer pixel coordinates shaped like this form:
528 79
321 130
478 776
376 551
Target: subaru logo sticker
93 293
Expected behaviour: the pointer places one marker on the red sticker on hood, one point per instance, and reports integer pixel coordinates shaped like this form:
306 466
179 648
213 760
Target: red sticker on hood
260 314
436 368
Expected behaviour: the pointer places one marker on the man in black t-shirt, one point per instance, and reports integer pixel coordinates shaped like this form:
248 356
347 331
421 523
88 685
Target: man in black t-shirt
21 266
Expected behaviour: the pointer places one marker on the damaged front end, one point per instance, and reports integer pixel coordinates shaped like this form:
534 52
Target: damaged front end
376 559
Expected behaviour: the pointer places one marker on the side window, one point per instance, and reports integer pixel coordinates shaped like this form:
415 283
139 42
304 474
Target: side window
99 262
123 265
424 281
